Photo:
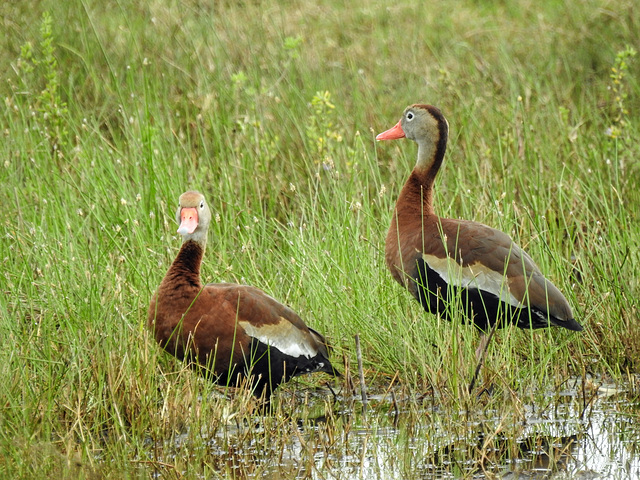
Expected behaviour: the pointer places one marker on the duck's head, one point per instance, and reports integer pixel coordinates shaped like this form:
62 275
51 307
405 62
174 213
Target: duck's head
418 123
194 217
425 125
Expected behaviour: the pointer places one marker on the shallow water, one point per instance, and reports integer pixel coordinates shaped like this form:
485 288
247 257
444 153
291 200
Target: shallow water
563 443
399 439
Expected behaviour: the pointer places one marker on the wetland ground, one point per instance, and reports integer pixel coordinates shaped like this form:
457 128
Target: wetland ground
112 108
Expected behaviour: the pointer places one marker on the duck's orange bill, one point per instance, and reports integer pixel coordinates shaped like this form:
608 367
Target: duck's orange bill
188 220
392 134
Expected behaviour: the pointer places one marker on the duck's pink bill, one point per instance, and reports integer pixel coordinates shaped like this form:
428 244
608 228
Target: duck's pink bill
188 220
392 134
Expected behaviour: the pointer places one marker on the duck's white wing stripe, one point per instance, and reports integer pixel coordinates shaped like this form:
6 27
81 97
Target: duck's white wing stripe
284 336
472 276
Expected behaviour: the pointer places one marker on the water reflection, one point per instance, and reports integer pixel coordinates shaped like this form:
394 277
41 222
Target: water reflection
569 438
599 443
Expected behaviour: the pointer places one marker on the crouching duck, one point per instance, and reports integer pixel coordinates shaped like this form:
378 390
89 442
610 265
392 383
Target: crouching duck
230 333
442 259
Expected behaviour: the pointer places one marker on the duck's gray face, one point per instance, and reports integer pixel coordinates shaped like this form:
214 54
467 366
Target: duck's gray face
193 214
418 124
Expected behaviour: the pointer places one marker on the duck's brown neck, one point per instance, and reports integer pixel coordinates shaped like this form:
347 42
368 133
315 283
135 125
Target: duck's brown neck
185 269
416 197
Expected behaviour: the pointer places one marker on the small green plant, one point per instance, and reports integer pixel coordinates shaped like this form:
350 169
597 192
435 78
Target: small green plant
321 129
292 46
619 88
240 81
38 67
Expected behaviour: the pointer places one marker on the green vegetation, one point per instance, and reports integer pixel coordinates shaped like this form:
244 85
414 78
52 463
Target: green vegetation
113 108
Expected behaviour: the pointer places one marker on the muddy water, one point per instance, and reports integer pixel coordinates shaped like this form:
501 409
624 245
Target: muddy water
573 436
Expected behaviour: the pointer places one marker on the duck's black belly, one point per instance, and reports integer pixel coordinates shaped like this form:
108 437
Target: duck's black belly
483 308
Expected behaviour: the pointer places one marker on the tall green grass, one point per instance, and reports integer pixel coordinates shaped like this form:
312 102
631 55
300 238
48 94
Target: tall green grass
112 109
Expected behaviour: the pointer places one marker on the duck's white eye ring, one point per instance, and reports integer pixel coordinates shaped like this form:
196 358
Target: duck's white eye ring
201 203
409 116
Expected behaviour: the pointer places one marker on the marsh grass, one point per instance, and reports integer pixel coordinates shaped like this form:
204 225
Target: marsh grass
112 109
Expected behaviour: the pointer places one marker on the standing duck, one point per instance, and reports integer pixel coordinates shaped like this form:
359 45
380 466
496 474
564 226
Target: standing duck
442 259
229 332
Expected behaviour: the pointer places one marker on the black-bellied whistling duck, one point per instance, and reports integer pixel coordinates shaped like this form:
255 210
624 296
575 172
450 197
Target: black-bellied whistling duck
441 259
229 332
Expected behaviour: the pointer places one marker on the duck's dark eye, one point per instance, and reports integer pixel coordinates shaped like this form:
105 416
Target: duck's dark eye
410 116
202 204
